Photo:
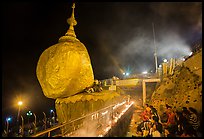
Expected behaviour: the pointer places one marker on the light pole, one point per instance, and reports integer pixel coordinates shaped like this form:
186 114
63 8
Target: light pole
7 125
29 113
155 49
22 125
52 111
20 103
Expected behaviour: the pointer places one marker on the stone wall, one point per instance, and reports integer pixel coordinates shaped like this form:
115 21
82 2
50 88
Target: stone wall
183 88
74 107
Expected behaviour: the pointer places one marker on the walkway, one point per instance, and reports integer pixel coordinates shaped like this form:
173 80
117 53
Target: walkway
134 122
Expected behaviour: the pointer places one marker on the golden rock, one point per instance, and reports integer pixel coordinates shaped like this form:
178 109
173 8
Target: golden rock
64 69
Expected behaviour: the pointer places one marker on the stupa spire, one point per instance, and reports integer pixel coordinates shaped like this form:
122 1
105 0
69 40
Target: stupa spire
72 22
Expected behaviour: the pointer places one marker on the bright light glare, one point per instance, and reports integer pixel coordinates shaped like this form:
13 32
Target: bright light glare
183 59
145 72
160 66
20 103
127 74
190 53
107 129
29 113
8 119
51 110
103 113
165 60
123 73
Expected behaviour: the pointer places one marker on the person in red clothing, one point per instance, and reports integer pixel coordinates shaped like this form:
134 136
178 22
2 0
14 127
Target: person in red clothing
171 122
171 118
146 114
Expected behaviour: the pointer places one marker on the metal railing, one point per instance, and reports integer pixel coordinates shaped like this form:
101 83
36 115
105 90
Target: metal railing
97 114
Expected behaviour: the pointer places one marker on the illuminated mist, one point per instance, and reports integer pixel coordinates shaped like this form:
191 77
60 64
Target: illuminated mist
88 129
172 46
126 38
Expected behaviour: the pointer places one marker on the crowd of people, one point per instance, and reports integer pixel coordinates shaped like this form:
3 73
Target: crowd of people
172 123
97 87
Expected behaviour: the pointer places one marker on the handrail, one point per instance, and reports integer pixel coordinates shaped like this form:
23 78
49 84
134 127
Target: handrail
49 130
66 123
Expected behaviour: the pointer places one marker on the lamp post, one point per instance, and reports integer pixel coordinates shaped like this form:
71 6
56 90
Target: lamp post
19 108
7 125
29 113
52 111
155 49
22 125
165 60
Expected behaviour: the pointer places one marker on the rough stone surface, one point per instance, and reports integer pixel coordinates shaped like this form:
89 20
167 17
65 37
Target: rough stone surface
79 105
183 88
64 69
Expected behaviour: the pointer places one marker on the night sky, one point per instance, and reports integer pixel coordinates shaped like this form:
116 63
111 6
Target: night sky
117 36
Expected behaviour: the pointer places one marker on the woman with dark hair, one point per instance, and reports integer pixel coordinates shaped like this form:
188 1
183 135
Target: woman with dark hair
159 126
179 122
191 109
154 111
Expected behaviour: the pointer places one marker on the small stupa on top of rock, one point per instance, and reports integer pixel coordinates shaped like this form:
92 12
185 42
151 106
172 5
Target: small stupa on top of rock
65 69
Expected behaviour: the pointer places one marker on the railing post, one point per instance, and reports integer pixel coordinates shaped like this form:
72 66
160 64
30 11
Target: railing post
48 134
45 119
62 131
35 123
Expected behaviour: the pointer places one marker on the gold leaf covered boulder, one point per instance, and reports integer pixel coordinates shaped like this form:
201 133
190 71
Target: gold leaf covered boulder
64 69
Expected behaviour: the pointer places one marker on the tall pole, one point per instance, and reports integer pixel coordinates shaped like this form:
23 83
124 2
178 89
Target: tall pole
155 49
52 111
19 108
18 113
7 127
22 125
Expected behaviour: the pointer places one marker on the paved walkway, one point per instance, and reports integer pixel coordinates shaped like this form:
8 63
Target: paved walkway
134 122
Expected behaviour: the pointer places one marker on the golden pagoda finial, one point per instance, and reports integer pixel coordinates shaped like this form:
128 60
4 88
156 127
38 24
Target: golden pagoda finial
72 22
